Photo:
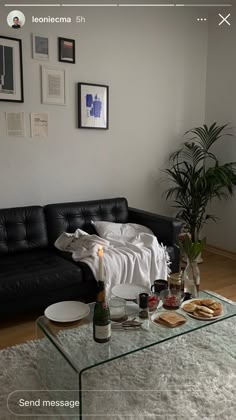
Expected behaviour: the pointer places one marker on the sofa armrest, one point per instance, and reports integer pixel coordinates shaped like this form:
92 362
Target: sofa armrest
166 229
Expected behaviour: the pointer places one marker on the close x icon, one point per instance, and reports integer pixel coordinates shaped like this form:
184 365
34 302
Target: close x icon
224 19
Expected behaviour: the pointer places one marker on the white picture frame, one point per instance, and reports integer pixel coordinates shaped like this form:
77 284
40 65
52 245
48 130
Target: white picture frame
53 85
40 47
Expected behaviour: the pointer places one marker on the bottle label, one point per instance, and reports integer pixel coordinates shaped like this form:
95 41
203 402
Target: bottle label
102 331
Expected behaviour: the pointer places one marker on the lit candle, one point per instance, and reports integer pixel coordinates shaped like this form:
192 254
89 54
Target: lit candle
100 266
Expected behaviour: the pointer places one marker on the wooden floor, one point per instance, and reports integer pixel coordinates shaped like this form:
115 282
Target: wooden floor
218 273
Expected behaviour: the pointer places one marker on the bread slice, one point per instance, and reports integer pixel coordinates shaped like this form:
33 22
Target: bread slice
189 307
207 302
170 319
205 309
218 309
196 301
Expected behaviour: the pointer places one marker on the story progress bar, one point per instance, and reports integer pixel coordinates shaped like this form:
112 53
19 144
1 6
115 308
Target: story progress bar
116 5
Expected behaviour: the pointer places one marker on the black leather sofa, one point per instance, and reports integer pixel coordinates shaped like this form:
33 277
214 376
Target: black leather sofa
33 274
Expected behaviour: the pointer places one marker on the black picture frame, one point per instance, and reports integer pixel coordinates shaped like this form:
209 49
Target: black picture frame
63 45
11 70
93 106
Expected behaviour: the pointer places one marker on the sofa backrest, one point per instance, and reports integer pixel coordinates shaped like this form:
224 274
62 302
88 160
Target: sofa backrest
67 217
22 229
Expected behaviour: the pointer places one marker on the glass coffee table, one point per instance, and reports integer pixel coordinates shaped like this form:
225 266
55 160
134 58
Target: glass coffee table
66 351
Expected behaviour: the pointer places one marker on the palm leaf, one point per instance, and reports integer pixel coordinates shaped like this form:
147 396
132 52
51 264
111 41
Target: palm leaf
197 177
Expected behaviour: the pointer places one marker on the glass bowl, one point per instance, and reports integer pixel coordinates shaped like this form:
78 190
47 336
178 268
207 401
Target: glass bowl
171 299
153 301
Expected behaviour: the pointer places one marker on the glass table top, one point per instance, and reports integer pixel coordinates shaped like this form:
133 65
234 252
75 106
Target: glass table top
75 340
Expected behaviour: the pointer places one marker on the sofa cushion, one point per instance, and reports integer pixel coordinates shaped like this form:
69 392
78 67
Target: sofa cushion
21 229
67 217
35 273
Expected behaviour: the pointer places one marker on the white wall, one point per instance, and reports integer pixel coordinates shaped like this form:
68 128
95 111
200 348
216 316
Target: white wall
221 107
155 64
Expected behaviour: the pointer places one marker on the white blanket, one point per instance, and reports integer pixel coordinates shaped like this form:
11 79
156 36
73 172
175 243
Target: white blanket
140 261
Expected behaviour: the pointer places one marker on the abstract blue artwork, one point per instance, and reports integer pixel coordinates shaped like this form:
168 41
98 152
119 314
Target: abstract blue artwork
93 106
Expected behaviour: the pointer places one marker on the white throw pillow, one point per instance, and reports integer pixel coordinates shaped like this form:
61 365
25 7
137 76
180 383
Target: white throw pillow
119 231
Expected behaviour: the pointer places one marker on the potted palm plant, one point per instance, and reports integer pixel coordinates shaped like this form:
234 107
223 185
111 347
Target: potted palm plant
197 177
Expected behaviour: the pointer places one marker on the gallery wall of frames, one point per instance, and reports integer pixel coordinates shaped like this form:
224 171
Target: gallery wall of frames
47 153
92 99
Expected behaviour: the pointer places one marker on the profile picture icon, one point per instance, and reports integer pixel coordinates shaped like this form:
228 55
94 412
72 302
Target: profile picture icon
16 19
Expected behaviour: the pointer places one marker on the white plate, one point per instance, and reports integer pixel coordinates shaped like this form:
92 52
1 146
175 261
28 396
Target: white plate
199 317
67 311
128 291
156 316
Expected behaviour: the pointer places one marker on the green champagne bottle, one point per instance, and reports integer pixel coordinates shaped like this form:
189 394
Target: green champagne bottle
101 317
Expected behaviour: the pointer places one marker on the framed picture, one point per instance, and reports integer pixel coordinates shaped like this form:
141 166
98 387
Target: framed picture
53 86
40 47
93 106
11 70
66 48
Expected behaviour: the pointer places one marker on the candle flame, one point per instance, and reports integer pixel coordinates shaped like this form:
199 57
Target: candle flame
100 251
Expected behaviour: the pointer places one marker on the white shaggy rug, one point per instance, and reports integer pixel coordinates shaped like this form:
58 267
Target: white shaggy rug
189 377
